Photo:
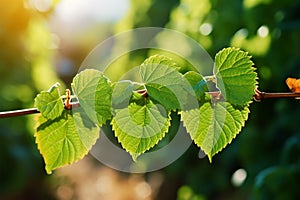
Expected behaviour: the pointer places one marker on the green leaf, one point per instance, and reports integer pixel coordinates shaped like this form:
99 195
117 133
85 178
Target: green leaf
93 91
162 60
213 126
103 100
49 102
198 84
235 75
121 94
166 85
66 139
140 127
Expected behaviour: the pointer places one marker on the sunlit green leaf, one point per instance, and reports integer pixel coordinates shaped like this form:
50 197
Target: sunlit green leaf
235 75
140 127
49 102
121 93
165 84
93 91
214 125
65 139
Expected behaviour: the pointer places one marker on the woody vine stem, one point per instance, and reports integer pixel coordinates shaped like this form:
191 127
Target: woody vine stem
69 105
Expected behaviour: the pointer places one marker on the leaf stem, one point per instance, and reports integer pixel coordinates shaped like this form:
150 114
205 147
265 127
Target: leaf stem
137 83
210 78
258 96
68 105
143 92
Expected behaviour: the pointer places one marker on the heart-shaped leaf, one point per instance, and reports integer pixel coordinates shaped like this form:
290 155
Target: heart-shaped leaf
140 127
214 125
236 78
49 102
165 84
65 139
93 91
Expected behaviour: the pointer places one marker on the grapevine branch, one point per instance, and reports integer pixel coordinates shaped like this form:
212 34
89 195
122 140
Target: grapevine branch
264 95
14 113
257 97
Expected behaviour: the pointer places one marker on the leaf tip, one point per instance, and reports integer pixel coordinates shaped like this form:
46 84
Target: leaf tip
210 158
134 156
48 170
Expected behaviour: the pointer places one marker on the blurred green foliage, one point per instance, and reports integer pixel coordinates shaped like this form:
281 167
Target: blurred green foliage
268 147
25 68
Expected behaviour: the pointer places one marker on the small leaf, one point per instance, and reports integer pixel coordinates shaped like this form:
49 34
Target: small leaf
66 139
235 75
140 127
166 85
198 84
212 127
49 103
93 91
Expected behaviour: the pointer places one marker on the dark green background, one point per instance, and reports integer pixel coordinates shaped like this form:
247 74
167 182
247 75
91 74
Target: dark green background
268 148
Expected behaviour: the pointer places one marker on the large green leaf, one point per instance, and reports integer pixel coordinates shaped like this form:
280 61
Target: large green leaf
235 75
213 126
140 127
65 139
165 84
49 102
93 91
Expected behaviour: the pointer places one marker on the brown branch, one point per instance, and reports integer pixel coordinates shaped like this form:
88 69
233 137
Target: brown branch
257 97
28 111
264 95
14 113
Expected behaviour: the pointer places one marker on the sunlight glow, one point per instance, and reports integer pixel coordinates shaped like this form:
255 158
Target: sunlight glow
41 5
94 10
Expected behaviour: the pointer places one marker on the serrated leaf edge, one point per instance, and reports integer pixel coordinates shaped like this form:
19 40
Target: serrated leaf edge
42 152
54 86
134 156
229 142
252 68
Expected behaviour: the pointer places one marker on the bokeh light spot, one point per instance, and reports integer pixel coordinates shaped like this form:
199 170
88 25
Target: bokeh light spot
143 190
263 31
201 154
206 29
238 177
